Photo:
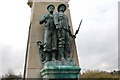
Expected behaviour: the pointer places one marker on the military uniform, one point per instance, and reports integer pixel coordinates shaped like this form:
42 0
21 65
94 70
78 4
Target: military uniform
63 31
50 38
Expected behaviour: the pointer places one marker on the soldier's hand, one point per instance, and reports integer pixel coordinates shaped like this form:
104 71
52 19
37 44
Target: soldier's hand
57 26
73 36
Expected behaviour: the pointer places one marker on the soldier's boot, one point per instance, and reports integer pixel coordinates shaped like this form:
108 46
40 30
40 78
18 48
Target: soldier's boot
69 57
61 52
53 56
65 54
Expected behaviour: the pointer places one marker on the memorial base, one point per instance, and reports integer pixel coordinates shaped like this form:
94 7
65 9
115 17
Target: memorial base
60 72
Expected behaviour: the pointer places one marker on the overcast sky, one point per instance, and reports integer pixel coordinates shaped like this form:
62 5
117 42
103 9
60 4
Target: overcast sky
97 41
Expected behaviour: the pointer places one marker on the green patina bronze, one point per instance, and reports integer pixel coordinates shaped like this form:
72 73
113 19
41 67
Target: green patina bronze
63 31
50 37
42 55
56 36
54 51
60 72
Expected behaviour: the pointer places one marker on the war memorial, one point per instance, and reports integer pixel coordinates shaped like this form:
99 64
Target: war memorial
51 50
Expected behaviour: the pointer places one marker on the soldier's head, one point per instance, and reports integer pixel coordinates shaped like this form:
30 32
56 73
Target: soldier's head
61 7
51 8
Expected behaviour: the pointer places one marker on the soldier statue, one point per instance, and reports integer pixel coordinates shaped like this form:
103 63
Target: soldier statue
63 31
50 39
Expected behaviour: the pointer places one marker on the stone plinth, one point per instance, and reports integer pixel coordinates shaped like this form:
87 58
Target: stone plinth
60 72
33 62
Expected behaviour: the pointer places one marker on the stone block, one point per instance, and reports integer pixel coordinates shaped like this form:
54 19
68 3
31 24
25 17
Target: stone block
60 72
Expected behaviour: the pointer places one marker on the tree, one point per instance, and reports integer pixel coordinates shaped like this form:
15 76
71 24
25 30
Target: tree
10 75
98 74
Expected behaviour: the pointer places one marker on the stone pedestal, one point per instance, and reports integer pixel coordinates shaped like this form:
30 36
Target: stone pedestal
33 63
60 72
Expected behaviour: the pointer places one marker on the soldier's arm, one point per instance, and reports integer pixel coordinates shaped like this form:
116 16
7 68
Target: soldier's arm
70 33
42 20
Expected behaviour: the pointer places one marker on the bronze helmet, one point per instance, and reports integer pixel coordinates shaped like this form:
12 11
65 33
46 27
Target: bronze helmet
50 5
60 6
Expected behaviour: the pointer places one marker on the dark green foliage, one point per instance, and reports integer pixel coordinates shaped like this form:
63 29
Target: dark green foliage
11 75
98 74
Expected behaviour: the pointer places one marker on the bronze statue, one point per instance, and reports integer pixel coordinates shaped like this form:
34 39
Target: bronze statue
50 38
63 31
41 47
56 49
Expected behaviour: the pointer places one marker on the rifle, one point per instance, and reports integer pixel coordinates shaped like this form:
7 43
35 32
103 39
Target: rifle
78 28
70 47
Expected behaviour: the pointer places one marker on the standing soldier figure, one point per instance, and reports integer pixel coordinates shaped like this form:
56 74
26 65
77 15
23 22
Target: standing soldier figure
50 39
63 31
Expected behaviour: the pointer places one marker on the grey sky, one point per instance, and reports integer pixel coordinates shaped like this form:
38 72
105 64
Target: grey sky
97 41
